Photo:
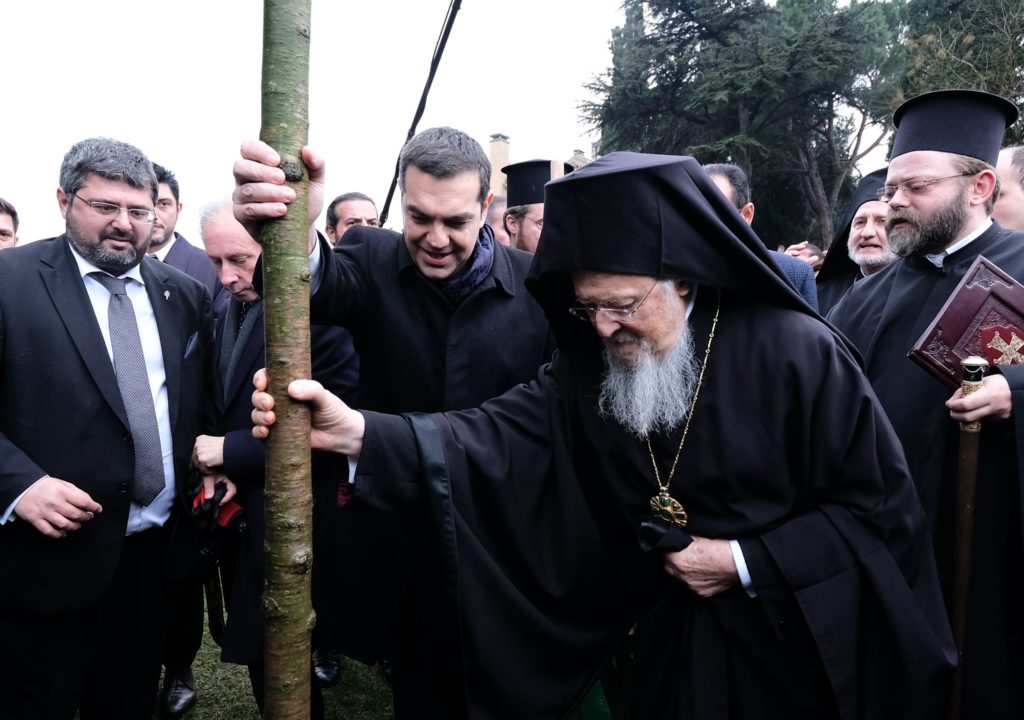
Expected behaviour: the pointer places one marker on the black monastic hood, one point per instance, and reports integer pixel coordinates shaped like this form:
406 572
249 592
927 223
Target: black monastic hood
837 261
655 215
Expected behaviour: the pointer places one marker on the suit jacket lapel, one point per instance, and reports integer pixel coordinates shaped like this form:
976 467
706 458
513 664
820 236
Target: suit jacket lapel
163 296
66 288
248 347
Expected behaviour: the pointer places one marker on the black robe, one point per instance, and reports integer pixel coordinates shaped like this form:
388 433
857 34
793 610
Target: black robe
539 505
884 316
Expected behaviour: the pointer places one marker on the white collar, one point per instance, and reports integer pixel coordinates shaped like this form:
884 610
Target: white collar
938 258
162 253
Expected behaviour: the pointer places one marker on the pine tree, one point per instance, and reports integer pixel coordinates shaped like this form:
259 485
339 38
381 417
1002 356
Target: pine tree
795 93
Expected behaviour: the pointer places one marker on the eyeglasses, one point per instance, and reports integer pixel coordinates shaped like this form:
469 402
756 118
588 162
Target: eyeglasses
917 186
139 215
538 223
584 311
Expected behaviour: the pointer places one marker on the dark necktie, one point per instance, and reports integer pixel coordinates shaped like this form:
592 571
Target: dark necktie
242 312
133 382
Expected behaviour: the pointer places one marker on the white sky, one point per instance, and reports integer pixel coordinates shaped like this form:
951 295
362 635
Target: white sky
181 80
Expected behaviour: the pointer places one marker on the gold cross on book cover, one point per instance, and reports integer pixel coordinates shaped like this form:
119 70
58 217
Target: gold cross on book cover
982 317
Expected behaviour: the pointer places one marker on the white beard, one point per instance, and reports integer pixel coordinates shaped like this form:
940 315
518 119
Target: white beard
652 394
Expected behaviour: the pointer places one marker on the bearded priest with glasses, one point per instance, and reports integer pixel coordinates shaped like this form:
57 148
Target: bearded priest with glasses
702 460
941 187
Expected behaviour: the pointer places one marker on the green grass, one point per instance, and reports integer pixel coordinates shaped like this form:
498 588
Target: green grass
224 692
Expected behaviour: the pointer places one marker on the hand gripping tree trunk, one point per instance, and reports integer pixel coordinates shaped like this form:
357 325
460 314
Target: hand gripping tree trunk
287 604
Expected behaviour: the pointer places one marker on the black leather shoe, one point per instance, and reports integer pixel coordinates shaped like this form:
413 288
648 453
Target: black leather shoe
179 693
327 666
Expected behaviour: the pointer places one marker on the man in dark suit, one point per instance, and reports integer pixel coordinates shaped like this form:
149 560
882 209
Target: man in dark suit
733 183
232 452
103 359
185 612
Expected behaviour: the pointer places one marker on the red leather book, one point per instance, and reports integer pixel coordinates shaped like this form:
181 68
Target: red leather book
984 316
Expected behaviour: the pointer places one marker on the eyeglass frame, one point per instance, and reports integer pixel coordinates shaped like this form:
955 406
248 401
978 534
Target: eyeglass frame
588 312
538 223
885 196
148 220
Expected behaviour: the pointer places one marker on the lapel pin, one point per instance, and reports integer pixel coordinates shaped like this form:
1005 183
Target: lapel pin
167 294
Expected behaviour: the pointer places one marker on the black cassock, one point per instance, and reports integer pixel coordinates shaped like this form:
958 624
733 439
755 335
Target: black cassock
537 505
884 316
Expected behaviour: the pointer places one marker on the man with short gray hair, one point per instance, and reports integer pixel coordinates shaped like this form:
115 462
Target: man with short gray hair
102 369
185 626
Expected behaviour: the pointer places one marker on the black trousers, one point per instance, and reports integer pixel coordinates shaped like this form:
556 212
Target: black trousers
104 661
184 625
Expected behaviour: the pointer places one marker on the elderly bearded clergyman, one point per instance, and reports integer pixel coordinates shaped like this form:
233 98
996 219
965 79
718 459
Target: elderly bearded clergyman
703 458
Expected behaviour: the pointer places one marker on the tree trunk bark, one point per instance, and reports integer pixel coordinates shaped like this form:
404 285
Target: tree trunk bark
287 603
816 194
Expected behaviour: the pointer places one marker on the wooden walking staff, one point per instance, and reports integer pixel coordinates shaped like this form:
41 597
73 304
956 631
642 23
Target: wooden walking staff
967 481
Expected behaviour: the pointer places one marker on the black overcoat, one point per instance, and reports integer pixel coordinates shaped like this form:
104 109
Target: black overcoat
418 352
884 315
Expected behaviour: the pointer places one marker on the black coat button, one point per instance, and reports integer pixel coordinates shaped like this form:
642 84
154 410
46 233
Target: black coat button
122 488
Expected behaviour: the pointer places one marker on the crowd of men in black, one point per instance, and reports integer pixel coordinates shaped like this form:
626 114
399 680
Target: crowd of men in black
600 448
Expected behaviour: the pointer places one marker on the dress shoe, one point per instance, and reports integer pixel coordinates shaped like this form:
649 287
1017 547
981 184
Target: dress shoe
179 694
327 666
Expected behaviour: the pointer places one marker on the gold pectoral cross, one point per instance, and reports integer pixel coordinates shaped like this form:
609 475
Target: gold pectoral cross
669 509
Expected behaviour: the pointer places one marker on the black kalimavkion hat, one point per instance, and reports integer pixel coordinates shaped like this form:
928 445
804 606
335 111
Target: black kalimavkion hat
965 122
526 180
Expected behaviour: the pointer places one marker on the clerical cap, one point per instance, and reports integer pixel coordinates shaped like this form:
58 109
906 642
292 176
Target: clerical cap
965 122
526 180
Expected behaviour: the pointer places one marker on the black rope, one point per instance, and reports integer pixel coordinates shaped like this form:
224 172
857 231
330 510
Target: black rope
442 40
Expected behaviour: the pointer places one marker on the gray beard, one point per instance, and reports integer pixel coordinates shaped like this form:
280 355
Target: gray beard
929 234
874 261
653 394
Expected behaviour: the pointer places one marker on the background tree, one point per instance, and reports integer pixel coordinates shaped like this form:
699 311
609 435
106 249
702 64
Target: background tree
796 93
976 44
287 603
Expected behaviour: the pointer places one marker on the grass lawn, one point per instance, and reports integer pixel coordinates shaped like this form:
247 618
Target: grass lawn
224 692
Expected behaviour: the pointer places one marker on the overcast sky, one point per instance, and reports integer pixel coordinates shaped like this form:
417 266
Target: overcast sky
181 80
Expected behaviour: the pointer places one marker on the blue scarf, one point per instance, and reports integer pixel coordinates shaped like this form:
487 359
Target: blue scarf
459 286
